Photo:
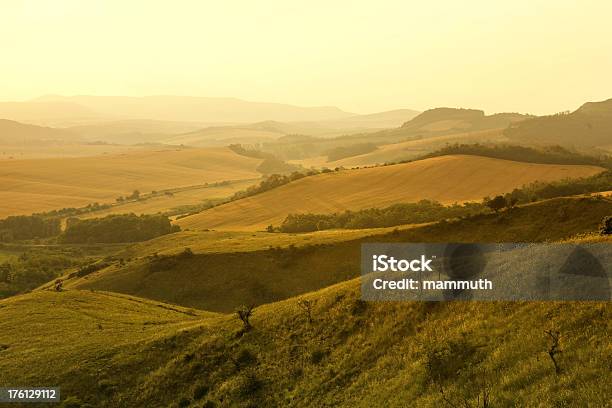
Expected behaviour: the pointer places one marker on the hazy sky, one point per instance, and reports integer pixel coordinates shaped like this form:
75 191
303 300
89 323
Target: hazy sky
363 56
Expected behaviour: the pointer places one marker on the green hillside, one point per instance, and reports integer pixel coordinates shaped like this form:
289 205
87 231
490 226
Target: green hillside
273 267
111 350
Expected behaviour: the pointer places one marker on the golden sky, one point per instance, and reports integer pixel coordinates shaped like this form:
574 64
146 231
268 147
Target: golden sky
362 56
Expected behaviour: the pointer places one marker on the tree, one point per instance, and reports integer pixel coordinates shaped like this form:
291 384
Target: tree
496 203
244 314
606 226
306 307
59 285
554 348
511 202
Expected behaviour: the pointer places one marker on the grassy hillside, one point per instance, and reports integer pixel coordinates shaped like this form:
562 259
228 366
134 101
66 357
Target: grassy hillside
15 133
410 149
269 267
429 124
132 131
442 179
28 186
588 126
180 201
111 350
387 119
259 132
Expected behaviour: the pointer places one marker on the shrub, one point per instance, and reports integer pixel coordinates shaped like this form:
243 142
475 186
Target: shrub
245 357
249 385
184 402
496 203
444 361
200 391
606 226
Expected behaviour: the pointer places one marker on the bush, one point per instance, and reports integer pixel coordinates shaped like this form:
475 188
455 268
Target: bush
245 357
249 385
445 361
606 226
200 391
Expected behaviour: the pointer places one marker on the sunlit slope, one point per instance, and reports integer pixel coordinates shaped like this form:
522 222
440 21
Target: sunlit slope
414 148
37 185
406 150
181 201
447 179
76 336
110 351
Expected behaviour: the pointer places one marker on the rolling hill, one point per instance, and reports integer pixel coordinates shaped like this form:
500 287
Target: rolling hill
49 113
432 123
453 119
588 126
35 185
224 270
447 179
380 120
116 350
16 133
132 131
407 150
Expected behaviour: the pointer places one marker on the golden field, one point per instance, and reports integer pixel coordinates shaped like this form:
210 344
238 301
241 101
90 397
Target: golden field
447 179
37 185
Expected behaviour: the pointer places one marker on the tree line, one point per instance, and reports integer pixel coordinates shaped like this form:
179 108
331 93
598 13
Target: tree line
21 227
397 214
544 155
117 228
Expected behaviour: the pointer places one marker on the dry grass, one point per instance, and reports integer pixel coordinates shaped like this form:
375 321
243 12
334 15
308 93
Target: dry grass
28 186
447 179
405 150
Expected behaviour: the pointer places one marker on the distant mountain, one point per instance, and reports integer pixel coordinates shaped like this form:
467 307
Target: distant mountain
46 112
133 131
380 120
12 133
588 126
201 109
260 132
452 119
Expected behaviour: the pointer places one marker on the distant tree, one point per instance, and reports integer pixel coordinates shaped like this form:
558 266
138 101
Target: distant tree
606 226
135 195
306 306
496 203
59 285
554 348
511 202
